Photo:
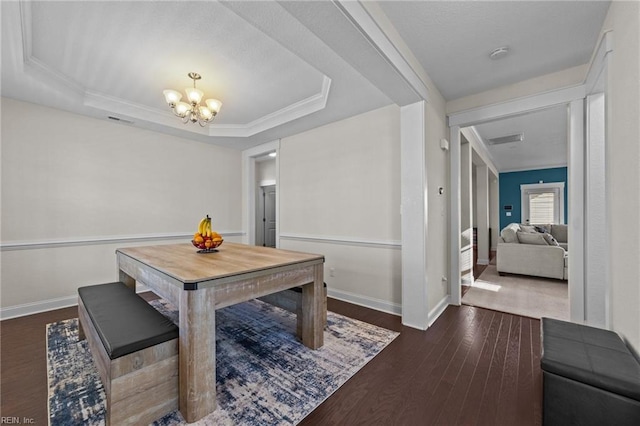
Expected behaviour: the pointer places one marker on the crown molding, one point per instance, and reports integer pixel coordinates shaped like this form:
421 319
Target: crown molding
44 74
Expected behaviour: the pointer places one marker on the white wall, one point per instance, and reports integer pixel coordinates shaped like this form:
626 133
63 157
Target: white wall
623 179
79 182
494 210
340 196
265 171
466 212
437 206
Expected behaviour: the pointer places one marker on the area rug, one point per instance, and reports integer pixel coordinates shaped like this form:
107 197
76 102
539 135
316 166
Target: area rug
521 295
264 375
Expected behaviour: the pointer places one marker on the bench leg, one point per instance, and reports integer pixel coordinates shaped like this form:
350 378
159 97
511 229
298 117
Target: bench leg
81 335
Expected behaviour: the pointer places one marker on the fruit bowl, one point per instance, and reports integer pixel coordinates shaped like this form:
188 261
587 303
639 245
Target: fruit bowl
204 249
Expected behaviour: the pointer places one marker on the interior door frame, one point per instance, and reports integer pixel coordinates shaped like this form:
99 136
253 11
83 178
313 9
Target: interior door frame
573 98
588 295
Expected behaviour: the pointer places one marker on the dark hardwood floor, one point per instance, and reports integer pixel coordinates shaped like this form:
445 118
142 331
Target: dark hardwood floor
473 366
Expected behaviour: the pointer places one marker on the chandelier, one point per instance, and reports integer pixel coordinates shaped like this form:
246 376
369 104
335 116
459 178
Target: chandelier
192 111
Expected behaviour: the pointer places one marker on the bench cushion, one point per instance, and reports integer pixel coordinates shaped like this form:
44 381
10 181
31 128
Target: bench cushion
590 355
124 321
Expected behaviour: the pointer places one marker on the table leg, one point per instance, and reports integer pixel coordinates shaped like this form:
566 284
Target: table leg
312 310
197 354
127 280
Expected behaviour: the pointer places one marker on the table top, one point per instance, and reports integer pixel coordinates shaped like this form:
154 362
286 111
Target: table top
184 263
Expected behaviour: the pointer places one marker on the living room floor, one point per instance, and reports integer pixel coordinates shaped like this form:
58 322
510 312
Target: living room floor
516 291
472 366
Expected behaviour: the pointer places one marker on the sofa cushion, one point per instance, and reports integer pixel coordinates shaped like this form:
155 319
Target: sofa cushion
529 238
550 240
559 232
509 235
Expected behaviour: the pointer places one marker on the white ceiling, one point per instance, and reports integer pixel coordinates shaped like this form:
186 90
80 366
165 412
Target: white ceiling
544 144
453 39
279 68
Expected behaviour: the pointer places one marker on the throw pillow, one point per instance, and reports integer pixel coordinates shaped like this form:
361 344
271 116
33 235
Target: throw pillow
528 228
541 229
550 240
529 238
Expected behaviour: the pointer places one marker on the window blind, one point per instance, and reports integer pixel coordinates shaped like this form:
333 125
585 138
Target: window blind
542 207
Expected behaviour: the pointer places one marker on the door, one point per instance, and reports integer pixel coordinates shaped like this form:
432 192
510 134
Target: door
269 216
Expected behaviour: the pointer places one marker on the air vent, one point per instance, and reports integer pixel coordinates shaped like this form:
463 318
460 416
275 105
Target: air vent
507 139
121 120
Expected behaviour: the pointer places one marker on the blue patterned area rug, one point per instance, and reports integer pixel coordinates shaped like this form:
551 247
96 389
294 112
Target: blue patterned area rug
264 375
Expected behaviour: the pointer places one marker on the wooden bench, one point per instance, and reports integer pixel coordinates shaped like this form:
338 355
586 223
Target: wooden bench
135 349
590 376
291 300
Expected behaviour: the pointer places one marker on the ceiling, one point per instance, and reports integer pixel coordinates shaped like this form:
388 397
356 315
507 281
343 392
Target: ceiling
544 144
280 68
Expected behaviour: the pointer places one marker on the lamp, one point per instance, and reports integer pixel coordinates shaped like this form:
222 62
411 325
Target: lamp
192 110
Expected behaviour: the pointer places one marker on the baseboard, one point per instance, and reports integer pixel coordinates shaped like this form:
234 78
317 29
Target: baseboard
46 305
435 313
482 262
367 302
37 307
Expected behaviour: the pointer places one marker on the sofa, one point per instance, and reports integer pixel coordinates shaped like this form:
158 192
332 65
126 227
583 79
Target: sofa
536 250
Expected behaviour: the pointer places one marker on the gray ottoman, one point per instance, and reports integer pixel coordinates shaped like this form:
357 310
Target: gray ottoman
590 377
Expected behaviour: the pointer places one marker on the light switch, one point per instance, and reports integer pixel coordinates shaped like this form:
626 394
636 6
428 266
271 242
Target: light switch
508 213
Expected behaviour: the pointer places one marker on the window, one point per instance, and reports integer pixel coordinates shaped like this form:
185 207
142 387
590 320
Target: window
543 203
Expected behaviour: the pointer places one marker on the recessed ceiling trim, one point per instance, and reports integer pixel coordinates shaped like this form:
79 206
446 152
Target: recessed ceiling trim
33 66
113 105
289 113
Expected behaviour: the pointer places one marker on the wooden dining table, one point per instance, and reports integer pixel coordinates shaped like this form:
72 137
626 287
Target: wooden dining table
199 283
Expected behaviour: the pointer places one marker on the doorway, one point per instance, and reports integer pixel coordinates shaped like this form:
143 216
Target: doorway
260 169
266 224
499 154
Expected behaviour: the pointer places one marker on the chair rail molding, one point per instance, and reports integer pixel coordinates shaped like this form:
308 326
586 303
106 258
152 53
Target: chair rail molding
350 241
114 239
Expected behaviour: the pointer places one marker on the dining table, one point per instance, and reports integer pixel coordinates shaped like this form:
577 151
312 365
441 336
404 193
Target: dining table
198 284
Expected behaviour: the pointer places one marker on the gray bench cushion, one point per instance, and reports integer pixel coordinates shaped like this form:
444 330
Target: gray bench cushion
124 321
590 355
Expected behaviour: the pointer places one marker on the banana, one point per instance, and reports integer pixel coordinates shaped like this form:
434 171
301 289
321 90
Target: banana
202 224
208 227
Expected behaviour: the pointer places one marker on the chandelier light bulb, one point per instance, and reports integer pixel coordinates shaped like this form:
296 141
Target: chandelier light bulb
194 95
192 111
182 109
214 105
206 113
172 96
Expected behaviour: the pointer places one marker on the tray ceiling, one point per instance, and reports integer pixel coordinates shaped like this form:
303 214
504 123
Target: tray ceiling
280 68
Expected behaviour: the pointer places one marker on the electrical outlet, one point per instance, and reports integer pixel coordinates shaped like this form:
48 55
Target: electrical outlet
332 272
